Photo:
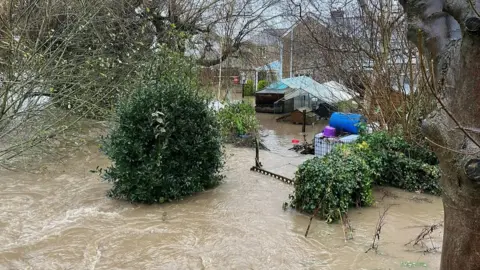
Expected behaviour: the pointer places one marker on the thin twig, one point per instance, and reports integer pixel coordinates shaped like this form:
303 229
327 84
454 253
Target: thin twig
311 218
378 230
343 225
452 150
346 226
426 231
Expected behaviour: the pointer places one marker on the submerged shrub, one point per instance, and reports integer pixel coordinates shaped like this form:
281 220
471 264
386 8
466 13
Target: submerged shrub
165 144
344 177
335 182
401 164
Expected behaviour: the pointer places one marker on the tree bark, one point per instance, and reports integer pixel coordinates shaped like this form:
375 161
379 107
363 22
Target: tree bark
453 127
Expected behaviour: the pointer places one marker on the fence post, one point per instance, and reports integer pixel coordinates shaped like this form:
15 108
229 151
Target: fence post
257 156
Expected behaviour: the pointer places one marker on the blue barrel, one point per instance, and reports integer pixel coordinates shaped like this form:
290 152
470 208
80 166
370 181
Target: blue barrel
347 122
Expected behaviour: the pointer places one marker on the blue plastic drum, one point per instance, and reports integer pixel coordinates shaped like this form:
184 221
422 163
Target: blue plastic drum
346 122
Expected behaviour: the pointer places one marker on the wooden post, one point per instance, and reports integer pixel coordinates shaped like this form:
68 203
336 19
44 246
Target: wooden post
304 120
304 125
257 156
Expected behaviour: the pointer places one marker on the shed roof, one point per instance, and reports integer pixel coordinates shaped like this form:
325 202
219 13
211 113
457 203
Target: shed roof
275 88
330 92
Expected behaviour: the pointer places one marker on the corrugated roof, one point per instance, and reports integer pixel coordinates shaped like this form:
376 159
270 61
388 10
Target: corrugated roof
330 92
275 88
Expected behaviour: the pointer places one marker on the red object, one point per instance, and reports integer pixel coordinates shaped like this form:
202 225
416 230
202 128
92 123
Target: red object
236 80
295 141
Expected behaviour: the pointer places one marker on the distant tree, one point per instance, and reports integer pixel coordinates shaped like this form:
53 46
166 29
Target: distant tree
215 29
364 45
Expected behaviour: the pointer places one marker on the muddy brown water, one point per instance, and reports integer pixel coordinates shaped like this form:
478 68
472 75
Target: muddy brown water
59 218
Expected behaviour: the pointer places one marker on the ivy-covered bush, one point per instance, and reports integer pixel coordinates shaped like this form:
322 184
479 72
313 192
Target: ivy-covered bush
165 144
344 177
333 183
249 89
401 164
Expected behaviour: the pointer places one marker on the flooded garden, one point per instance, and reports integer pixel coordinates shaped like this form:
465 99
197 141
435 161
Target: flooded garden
58 217
122 147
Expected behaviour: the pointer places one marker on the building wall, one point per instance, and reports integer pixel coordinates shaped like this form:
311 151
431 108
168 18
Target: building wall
311 51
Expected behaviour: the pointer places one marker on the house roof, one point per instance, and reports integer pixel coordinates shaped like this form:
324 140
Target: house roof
308 16
267 37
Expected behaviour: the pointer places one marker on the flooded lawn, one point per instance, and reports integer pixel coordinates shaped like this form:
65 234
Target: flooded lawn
60 218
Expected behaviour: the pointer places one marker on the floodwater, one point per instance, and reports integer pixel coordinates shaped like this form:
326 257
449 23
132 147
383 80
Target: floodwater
59 218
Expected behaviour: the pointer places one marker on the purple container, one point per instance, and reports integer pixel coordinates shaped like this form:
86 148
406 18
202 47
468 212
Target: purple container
329 132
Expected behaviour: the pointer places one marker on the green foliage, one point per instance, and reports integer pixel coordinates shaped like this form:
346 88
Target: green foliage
165 143
249 89
262 84
344 176
237 119
401 164
335 182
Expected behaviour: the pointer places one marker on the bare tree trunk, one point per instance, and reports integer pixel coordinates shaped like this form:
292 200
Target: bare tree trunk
457 151
454 128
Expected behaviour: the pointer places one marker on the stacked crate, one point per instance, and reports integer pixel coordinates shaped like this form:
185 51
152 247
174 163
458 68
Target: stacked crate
324 145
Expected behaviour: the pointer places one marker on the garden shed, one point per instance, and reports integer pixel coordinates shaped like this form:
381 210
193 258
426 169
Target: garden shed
266 99
290 94
306 92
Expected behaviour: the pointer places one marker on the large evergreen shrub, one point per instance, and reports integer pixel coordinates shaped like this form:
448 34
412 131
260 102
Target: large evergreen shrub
165 144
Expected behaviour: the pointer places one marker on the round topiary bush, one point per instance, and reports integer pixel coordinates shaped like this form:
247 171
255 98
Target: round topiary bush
334 183
262 84
165 144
